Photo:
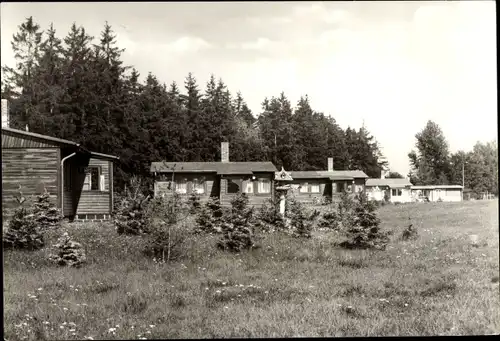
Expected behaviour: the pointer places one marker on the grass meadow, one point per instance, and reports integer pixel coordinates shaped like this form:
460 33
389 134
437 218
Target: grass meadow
439 284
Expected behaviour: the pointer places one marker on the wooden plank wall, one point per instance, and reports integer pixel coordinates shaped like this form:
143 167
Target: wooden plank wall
325 189
254 199
33 169
93 202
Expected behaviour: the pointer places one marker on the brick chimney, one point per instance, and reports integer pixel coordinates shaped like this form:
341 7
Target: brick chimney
5 113
224 152
330 164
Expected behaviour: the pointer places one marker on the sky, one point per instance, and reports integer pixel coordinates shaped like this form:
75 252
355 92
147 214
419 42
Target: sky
392 65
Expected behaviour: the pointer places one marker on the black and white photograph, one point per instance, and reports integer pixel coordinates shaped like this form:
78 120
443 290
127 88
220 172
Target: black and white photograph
249 169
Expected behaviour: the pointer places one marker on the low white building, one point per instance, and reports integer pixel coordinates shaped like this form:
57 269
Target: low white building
397 190
437 193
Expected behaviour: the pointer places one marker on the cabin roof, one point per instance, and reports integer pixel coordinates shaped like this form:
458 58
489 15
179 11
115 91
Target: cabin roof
58 141
222 168
332 175
438 187
392 183
40 136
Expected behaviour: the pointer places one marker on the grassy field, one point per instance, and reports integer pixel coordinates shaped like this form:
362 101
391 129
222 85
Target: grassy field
436 285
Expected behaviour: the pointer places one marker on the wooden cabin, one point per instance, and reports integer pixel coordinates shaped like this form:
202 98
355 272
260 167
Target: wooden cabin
223 180
80 182
313 187
397 190
437 193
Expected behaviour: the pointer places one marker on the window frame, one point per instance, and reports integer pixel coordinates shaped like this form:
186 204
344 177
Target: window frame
182 181
88 172
262 180
238 182
197 184
311 188
304 187
249 184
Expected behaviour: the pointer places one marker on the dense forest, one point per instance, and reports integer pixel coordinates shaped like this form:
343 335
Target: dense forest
78 88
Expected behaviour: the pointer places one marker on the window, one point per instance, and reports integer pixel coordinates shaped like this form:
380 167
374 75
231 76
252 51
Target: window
249 187
314 188
233 186
181 186
396 192
93 179
303 187
198 187
340 187
264 186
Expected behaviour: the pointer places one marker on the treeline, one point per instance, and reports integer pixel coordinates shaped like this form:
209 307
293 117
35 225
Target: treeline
433 164
78 88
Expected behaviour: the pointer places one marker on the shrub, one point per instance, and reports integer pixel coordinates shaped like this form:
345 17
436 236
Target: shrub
387 197
23 232
346 210
365 232
208 218
130 214
330 219
194 202
301 219
68 252
237 228
166 231
410 232
46 213
268 218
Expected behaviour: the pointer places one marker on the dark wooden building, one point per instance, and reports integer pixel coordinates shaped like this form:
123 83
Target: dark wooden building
312 187
79 181
222 180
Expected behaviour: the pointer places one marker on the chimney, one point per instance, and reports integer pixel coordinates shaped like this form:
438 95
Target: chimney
382 174
330 164
5 113
224 152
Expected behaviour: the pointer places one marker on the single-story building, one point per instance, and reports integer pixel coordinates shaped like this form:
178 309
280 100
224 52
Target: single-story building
223 180
437 193
315 186
397 190
79 181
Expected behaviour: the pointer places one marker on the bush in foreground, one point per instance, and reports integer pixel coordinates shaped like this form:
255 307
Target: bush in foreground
46 212
167 232
364 231
237 227
208 218
68 252
130 215
301 219
23 231
269 219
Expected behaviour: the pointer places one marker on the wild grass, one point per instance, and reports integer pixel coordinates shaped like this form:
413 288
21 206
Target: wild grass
438 284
